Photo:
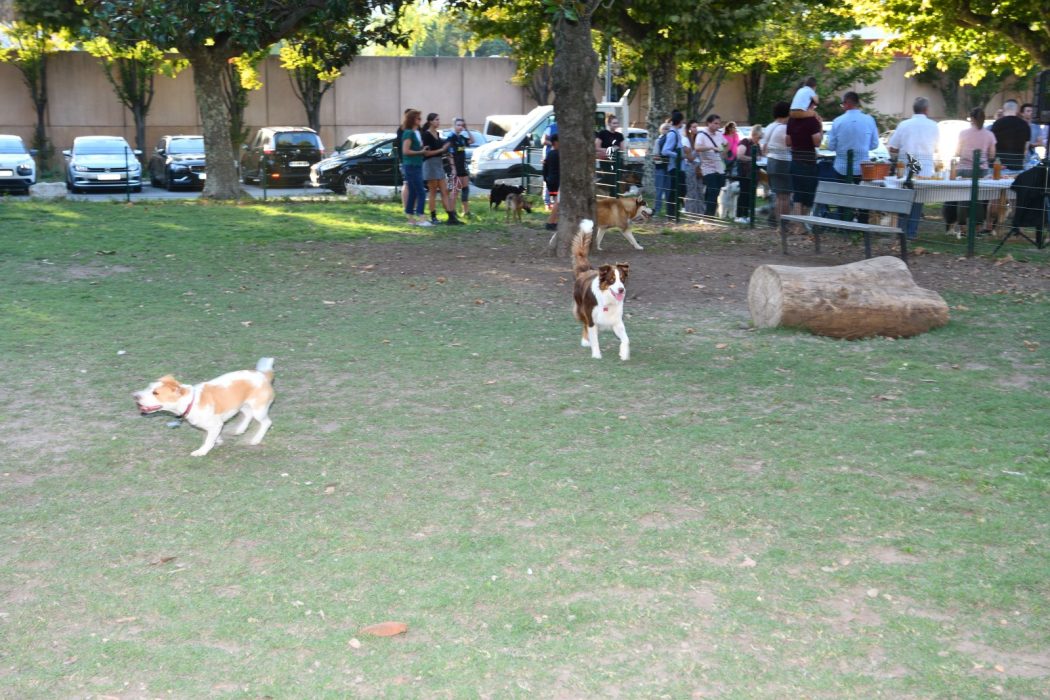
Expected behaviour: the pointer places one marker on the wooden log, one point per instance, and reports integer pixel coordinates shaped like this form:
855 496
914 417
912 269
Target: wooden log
863 299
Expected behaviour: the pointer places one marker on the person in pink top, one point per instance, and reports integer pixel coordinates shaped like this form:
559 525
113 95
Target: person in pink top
732 141
975 138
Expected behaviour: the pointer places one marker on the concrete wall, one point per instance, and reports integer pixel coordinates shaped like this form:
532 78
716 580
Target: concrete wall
369 96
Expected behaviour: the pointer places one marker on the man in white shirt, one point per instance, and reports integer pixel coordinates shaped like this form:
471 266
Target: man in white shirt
711 145
916 137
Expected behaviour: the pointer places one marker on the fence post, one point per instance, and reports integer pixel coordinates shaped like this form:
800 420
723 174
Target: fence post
525 169
752 185
127 177
675 178
971 224
617 171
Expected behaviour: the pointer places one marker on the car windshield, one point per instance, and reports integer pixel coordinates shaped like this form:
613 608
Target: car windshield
96 147
297 140
186 146
12 146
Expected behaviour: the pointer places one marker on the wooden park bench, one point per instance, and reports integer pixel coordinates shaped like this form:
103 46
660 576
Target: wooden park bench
873 198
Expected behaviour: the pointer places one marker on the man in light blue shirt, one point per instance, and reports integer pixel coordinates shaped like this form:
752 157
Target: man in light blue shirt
852 130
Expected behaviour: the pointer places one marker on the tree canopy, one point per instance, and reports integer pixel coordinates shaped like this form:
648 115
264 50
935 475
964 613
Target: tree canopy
991 34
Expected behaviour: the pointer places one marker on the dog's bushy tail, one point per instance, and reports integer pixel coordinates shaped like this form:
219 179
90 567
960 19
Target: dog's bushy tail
581 243
265 365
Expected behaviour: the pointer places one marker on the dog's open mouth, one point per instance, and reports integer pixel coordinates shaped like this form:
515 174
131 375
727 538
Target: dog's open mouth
146 410
620 294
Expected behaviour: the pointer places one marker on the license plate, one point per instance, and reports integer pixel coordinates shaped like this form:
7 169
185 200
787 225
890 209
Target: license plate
202 176
110 176
6 173
299 164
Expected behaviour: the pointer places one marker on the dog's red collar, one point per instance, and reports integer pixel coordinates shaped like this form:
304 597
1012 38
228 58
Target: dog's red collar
188 408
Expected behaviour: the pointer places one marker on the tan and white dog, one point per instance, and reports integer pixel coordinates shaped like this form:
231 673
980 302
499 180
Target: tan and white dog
210 404
619 213
598 295
516 203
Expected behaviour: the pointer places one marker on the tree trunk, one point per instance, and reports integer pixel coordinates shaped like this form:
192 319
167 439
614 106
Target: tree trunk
222 182
575 72
859 300
663 91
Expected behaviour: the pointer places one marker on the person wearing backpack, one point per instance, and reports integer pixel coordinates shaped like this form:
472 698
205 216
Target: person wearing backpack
672 151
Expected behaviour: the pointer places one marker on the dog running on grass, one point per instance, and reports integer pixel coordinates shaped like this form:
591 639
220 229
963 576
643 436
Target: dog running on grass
598 295
499 193
515 204
210 404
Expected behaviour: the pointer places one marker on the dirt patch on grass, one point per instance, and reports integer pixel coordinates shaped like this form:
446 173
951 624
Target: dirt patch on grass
681 265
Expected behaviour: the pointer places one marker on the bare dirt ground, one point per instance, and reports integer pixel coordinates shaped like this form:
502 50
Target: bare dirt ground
690 264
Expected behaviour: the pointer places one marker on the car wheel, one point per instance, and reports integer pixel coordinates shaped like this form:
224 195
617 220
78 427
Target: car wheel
167 180
350 180
137 188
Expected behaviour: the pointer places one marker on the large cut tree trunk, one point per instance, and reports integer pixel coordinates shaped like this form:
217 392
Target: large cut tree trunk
222 182
859 300
575 71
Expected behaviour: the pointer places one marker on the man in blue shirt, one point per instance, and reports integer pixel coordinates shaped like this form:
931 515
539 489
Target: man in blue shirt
855 131
852 130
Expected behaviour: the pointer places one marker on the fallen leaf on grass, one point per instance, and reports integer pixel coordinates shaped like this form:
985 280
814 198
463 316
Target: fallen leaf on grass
442 279
330 488
479 302
721 346
246 324
354 643
105 252
748 563
698 286
690 331
1032 345
162 560
325 301
385 629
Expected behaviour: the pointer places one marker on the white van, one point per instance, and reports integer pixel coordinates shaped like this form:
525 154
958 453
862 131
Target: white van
499 125
503 159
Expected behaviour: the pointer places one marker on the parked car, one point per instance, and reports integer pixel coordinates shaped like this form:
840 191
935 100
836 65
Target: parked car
281 155
370 164
98 162
357 140
177 161
17 167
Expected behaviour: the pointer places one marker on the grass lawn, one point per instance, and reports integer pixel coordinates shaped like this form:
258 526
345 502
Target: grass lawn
731 513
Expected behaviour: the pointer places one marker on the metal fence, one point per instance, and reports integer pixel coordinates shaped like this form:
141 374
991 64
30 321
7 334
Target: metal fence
972 211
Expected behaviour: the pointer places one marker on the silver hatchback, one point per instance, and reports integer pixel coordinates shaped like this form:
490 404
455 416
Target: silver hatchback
97 162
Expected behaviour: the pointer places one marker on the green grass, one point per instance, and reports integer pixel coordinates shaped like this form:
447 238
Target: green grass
731 513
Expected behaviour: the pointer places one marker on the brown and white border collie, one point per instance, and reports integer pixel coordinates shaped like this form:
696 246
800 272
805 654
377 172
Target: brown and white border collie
598 295
210 404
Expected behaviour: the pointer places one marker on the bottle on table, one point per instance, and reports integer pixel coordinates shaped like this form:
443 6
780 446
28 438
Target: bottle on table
997 170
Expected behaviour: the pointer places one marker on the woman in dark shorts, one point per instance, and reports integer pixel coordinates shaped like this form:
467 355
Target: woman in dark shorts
778 159
803 137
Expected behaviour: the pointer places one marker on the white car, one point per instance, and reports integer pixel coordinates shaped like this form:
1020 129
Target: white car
17 167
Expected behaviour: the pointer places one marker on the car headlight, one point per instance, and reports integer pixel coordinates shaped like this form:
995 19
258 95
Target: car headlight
134 168
80 168
179 168
24 169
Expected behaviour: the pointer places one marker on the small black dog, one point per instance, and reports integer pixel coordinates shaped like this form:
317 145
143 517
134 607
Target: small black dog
499 193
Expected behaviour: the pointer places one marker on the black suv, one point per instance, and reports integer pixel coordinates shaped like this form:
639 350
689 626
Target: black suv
281 155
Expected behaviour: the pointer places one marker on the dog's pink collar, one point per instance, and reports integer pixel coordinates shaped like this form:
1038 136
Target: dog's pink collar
188 408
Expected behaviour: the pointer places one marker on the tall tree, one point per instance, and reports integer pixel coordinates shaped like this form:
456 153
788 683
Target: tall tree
240 76
28 48
575 71
813 40
988 32
132 71
316 55
209 35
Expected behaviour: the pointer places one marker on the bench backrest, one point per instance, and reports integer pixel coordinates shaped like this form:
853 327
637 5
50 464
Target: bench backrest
873 197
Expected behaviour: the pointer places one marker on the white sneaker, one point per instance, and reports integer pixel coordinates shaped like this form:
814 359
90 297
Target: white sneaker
424 223
742 220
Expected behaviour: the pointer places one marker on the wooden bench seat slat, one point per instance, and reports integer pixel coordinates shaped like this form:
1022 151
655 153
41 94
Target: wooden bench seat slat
857 197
